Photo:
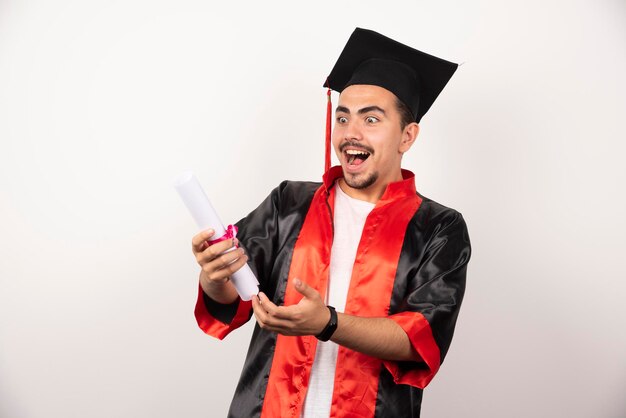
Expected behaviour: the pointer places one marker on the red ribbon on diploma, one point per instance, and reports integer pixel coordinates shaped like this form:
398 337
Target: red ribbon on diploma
231 232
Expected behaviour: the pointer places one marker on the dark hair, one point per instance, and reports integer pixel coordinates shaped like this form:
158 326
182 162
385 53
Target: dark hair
406 116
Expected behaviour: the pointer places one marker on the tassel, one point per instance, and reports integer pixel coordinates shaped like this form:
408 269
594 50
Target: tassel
329 114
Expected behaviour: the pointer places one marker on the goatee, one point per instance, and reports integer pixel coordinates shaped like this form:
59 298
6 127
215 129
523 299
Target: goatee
356 182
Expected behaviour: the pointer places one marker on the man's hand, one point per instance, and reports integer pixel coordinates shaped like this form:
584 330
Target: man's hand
307 317
376 337
217 265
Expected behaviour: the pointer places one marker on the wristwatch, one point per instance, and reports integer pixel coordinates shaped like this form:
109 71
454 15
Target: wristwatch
330 328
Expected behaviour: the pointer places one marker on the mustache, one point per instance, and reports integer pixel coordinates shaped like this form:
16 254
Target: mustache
356 145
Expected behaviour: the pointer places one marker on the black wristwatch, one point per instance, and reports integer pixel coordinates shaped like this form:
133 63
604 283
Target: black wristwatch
330 328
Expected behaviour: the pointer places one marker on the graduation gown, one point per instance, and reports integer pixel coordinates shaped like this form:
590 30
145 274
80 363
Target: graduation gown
410 267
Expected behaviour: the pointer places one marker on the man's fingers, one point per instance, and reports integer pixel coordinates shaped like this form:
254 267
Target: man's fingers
197 242
214 251
227 263
305 290
259 312
222 275
267 321
266 302
231 268
279 312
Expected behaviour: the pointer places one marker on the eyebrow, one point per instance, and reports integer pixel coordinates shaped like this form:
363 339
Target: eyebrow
367 109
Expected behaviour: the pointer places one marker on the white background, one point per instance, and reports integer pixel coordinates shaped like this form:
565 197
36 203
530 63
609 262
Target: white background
103 103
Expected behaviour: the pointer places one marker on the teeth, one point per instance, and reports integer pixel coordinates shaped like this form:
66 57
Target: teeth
356 152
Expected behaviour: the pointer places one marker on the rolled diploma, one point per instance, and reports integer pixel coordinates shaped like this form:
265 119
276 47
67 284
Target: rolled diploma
202 211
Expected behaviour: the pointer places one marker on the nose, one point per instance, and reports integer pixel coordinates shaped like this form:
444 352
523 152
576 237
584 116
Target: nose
352 131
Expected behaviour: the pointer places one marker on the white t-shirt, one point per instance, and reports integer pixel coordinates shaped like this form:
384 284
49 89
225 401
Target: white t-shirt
349 219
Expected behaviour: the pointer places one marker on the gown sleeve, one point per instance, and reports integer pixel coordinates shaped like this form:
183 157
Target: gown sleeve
257 234
428 311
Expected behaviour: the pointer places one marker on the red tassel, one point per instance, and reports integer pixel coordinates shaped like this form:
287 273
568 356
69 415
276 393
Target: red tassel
329 114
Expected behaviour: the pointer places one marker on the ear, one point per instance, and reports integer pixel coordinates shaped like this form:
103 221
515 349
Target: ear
409 135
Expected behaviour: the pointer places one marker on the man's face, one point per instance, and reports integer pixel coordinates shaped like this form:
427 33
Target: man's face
367 137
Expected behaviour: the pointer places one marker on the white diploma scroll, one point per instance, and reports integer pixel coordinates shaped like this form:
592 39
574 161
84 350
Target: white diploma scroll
202 211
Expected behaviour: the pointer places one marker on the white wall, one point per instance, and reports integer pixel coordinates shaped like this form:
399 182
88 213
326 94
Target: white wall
103 103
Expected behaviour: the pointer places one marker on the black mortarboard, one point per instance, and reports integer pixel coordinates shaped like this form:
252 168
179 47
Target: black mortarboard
416 78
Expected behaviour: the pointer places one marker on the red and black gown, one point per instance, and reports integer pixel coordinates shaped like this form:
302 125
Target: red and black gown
410 267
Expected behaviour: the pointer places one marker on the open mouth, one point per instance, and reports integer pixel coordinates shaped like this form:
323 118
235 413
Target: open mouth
356 157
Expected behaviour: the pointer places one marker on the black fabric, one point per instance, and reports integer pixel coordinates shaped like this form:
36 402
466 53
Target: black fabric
431 272
222 312
394 400
415 77
430 279
434 256
268 234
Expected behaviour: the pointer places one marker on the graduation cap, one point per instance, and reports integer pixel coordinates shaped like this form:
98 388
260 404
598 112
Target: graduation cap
416 78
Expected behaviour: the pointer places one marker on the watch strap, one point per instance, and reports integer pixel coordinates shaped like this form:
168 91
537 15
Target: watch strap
330 328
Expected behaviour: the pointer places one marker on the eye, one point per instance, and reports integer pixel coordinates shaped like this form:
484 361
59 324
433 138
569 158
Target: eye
371 119
342 119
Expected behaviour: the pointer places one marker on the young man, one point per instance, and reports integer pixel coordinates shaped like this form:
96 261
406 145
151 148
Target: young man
390 261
